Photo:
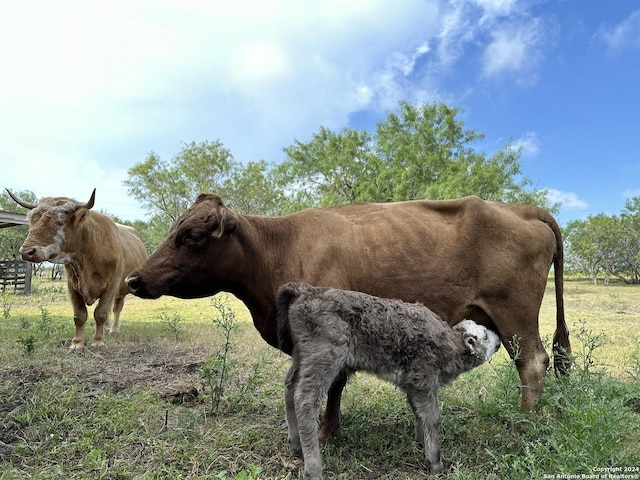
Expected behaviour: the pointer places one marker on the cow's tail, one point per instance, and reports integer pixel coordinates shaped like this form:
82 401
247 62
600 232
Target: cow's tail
561 345
286 294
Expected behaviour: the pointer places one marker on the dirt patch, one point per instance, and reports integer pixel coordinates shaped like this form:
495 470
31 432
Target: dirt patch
173 371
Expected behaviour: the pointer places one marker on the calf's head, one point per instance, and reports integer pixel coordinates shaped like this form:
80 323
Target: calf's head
481 342
196 256
53 223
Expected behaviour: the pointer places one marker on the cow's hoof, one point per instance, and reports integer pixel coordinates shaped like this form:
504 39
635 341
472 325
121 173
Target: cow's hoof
328 432
76 348
99 344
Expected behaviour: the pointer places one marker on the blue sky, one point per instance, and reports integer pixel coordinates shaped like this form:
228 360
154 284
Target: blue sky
88 89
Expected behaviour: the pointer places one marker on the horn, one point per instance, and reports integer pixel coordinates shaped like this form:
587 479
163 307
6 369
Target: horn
89 204
21 202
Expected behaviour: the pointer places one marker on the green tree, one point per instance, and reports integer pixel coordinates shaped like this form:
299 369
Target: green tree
591 245
607 245
331 169
167 188
11 238
420 152
252 189
629 241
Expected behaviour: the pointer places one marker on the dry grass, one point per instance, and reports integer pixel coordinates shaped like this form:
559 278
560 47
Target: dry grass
613 311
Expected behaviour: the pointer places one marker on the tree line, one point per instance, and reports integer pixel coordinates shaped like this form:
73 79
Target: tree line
606 246
417 152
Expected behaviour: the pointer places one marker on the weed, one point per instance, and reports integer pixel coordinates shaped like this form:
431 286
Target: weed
6 310
215 371
45 325
25 324
259 376
589 342
253 473
173 323
28 342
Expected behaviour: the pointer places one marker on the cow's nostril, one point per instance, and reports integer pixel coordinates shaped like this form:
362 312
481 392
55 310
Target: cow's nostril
133 283
28 254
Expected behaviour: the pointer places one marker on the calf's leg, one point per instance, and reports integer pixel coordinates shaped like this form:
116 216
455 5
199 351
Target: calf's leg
427 412
313 379
290 380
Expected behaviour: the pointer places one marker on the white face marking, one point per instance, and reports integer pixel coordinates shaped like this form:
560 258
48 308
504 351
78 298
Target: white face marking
53 253
488 338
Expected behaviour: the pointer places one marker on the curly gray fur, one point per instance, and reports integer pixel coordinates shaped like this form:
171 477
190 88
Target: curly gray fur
333 331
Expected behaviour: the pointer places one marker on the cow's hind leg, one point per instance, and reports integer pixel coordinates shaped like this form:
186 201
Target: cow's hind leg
101 315
532 362
79 319
331 420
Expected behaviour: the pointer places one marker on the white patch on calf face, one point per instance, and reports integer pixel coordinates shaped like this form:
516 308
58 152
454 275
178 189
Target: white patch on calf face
487 338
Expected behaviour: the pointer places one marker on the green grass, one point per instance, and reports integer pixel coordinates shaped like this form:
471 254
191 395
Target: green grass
140 408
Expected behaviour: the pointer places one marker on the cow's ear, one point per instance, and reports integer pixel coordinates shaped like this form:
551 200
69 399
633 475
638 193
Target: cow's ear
79 216
227 222
471 342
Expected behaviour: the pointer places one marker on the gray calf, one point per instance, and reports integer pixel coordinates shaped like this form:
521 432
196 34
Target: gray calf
337 331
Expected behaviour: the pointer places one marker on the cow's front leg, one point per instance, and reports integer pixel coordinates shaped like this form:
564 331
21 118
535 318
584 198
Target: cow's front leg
79 319
330 424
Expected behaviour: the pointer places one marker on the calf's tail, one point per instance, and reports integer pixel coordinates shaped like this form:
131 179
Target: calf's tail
286 294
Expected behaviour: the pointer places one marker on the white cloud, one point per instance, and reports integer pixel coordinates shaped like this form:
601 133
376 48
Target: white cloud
512 40
567 199
626 34
515 49
502 7
528 144
90 88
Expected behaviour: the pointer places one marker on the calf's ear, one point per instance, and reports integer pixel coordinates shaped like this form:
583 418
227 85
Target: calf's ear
470 342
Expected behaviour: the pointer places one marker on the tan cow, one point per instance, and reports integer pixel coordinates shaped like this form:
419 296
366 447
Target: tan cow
97 254
465 258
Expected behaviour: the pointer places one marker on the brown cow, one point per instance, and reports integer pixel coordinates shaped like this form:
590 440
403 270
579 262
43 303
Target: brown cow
466 258
97 254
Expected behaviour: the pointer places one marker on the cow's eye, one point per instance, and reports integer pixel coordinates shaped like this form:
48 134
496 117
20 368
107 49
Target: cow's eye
194 237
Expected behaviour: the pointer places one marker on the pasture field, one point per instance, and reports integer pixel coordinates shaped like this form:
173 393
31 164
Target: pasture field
169 397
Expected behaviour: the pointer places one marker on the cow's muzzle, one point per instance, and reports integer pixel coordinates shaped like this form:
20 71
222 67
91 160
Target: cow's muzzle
137 287
133 284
